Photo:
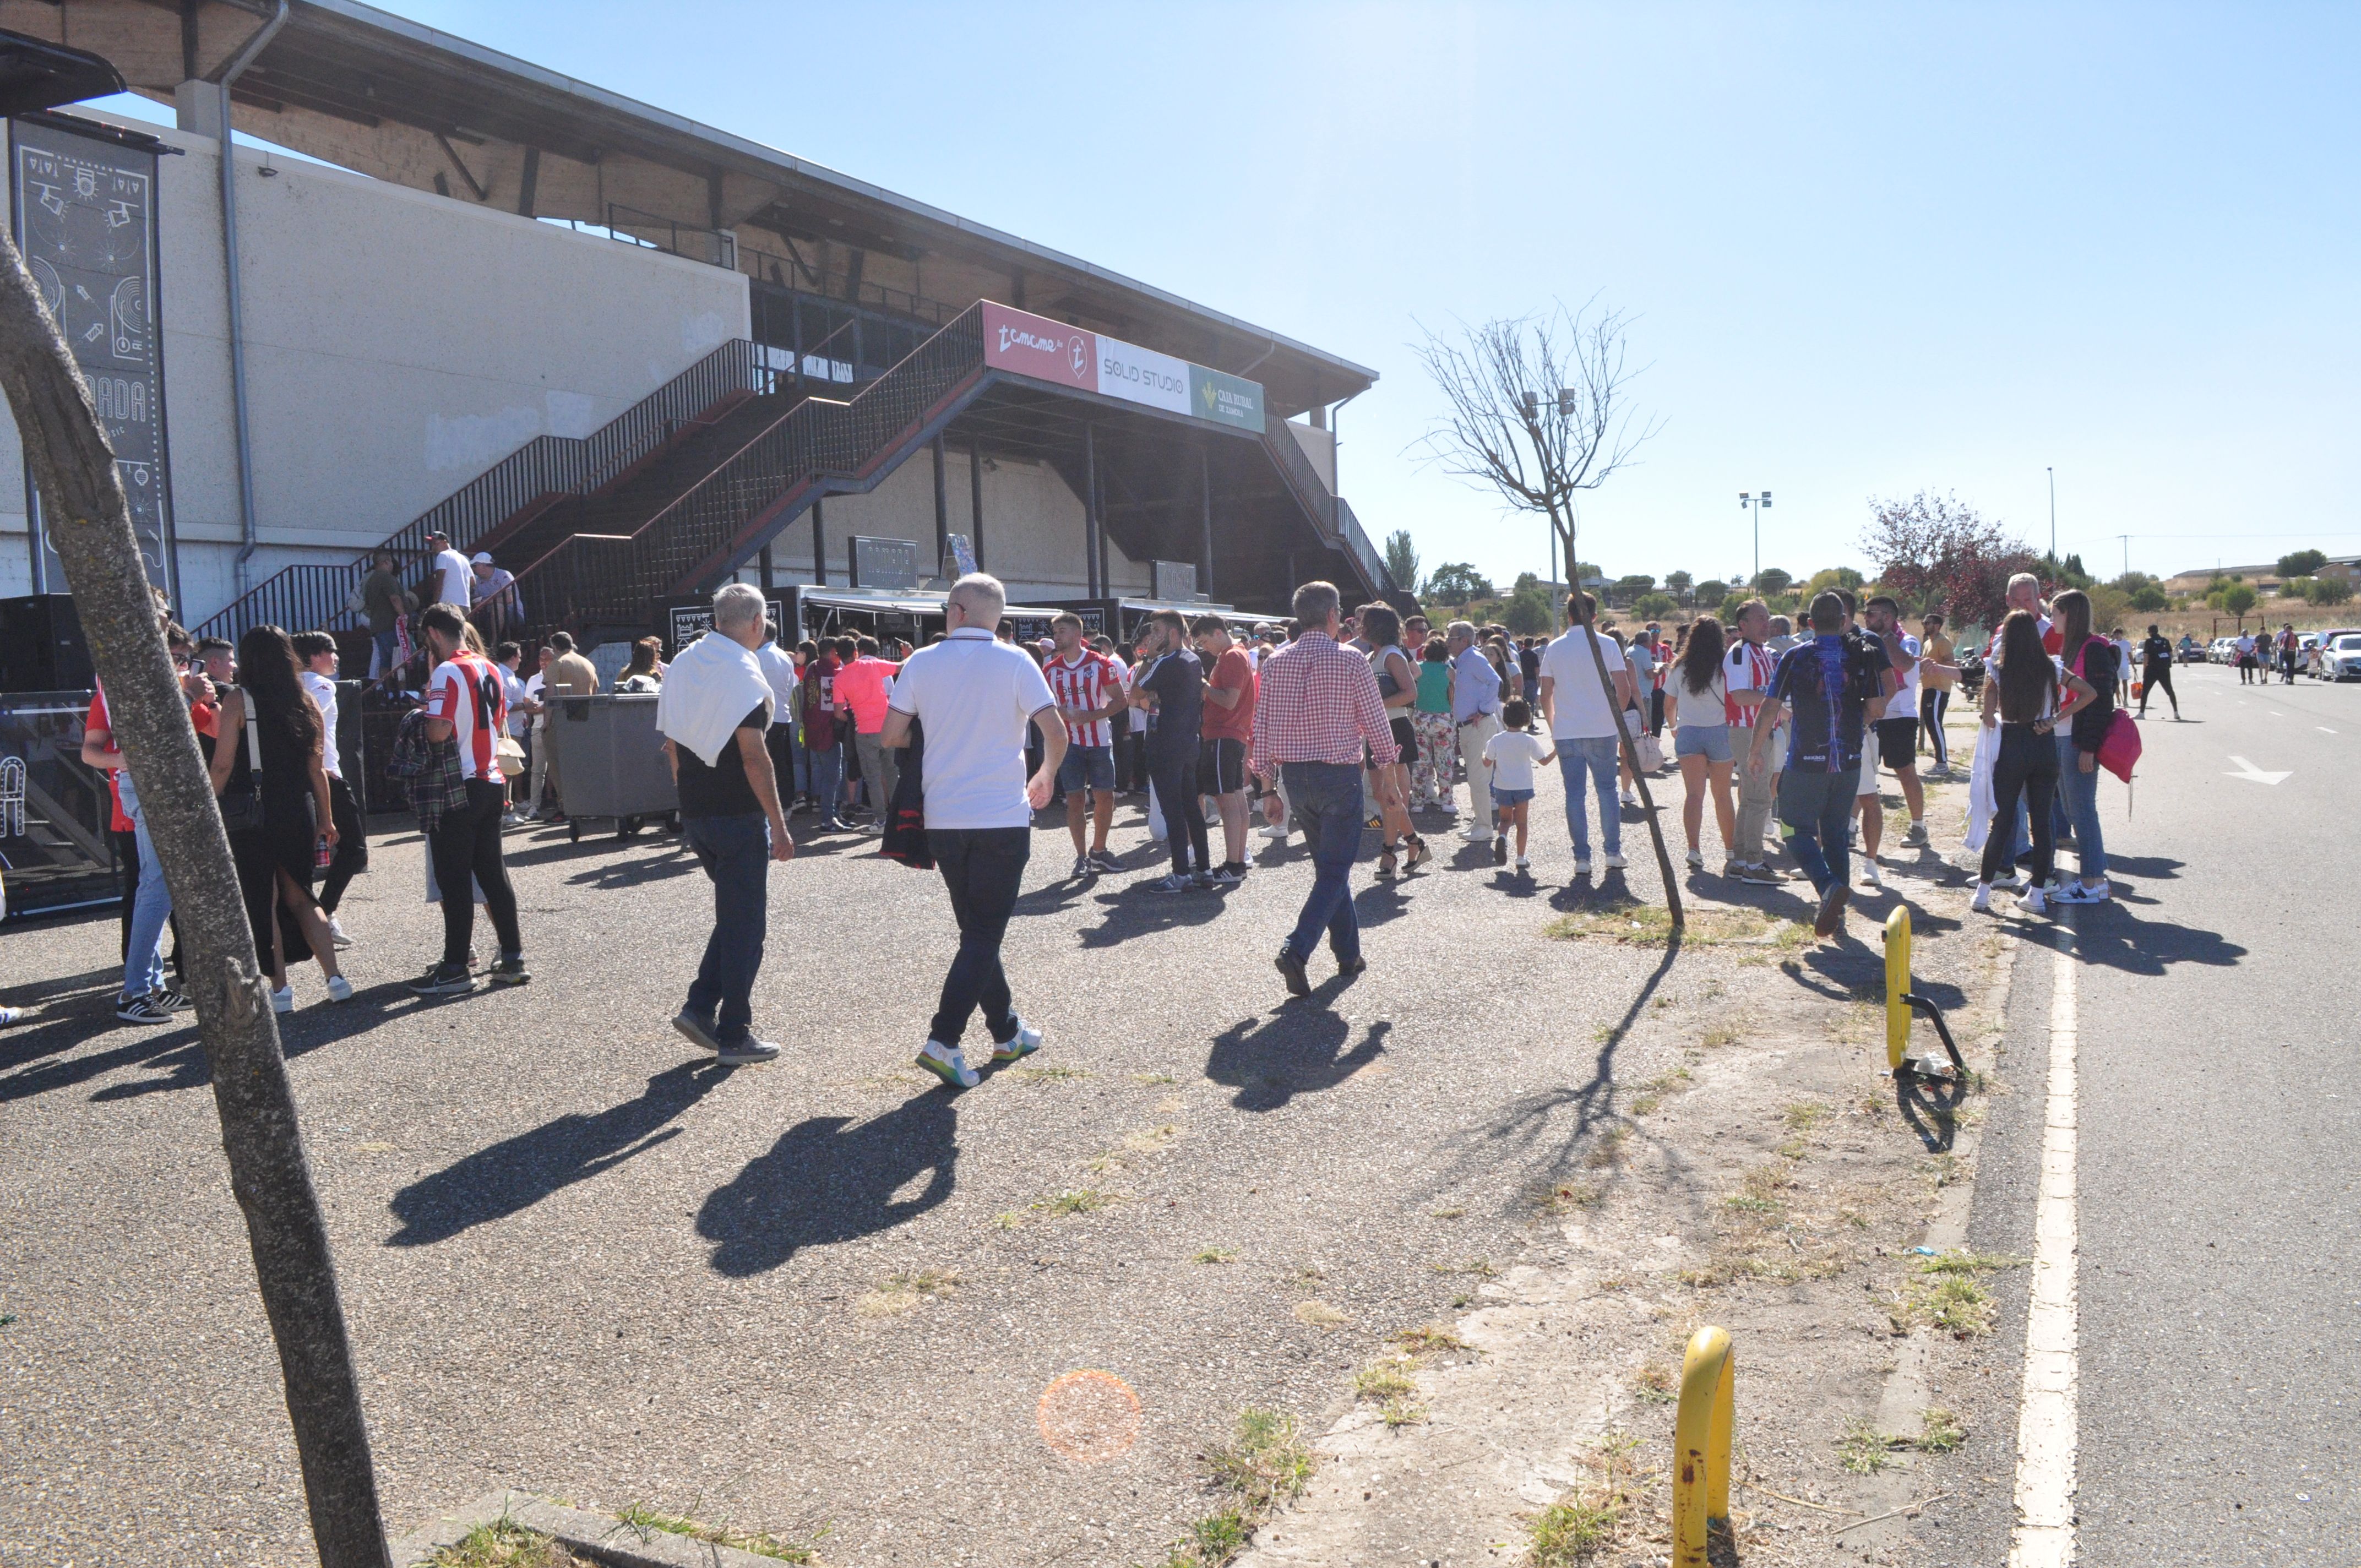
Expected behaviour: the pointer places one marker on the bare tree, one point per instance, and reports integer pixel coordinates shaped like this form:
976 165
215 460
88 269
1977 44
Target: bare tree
1537 407
81 495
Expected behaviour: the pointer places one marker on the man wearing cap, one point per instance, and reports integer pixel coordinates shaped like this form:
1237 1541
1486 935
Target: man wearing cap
452 575
499 609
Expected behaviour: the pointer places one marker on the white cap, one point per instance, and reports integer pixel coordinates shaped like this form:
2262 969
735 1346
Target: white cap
483 558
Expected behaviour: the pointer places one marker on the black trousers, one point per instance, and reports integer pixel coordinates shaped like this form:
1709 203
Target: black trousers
352 844
2159 677
467 843
1175 778
2027 765
982 867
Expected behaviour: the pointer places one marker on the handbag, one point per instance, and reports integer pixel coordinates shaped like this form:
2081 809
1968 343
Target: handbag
241 809
356 602
1648 752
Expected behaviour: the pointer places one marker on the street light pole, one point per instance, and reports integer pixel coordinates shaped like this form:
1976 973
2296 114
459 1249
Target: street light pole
1749 500
2053 516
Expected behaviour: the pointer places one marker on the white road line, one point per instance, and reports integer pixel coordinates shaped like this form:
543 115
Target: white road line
2323 729
2044 1537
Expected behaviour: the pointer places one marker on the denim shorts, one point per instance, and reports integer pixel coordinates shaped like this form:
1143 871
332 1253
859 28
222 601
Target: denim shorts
1711 741
1090 766
1511 796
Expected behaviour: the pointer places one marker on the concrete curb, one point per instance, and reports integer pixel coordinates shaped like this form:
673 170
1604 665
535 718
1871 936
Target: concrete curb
601 1536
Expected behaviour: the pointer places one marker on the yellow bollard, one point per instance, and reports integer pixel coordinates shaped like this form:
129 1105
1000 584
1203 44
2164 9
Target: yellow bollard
1701 1447
1897 986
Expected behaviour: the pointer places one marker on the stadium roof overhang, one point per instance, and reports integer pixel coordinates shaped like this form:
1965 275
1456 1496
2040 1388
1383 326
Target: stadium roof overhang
404 103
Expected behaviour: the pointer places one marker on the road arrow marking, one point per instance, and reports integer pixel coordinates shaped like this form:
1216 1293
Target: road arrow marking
2254 775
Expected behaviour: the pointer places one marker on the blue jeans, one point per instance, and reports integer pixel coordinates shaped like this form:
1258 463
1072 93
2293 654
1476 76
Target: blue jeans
1818 808
1326 800
143 963
983 868
828 783
1597 757
389 649
736 854
2077 792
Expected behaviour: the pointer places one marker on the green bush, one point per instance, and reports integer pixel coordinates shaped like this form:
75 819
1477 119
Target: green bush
2149 598
2329 591
1653 606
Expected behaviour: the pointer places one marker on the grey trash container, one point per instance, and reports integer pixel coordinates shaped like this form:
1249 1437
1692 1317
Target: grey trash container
610 760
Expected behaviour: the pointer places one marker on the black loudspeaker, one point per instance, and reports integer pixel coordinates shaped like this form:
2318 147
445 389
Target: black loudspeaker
41 648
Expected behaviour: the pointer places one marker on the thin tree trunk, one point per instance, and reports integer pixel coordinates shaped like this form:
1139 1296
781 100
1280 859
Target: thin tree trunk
82 499
1630 751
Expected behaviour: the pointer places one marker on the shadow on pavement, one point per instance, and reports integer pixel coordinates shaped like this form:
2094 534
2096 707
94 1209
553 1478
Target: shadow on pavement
830 1179
1931 1110
1297 1050
1138 909
516 1173
2109 936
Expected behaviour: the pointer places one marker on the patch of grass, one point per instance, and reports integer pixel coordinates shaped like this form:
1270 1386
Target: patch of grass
761 1543
1217 1538
1383 1380
1429 1339
1656 1384
1267 1461
504 1543
1760 1195
1566 1533
1651 925
1795 1148
1939 1430
1153 1078
1609 1149
1970 1263
1319 1314
1400 1413
1722 1035
1863 1450
6 1318
1462 1301
1075 1200
1038 1075
1646 1104
1957 1305
1568 1197
898 1294
1445 1213
1150 1140
1007 1220
1804 1115
1216 1254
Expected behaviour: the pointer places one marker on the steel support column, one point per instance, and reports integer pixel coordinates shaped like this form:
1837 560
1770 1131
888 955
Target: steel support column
942 507
975 499
1090 510
1205 521
820 546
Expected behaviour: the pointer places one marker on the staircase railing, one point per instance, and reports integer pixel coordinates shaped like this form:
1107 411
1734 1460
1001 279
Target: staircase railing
302 598
615 578
1338 528
1356 540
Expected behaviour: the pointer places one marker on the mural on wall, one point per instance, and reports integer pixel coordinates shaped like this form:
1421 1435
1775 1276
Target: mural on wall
84 209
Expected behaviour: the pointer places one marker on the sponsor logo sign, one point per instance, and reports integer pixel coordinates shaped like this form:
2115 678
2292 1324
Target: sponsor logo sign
1066 355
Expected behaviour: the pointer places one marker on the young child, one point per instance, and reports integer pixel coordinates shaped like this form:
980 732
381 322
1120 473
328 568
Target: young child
1510 756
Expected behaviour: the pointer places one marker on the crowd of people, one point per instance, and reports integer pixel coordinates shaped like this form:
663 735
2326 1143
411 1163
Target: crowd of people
1333 722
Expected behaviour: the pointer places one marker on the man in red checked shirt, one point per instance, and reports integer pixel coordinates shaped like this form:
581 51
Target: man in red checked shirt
1316 709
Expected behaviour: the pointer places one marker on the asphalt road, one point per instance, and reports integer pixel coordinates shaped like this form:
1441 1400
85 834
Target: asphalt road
2219 1241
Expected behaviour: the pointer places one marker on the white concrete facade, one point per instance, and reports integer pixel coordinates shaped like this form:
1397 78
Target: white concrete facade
398 343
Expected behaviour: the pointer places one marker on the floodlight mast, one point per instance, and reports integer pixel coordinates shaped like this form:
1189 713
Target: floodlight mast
1750 500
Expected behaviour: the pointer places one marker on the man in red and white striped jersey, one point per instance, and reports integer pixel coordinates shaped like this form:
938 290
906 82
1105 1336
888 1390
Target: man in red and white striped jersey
467 704
1090 691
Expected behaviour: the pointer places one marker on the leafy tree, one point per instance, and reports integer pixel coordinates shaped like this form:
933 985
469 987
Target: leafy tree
1401 560
1583 571
1631 588
1458 583
1730 604
1654 606
1677 584
1771 580
2237 600
2329 591
2302 563
1937 554
2150 597
1528 611
1712 591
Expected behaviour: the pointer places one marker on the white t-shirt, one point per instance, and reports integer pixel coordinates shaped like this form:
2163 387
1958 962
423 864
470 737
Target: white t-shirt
779 669
1512 754
975 696
1699 709
533 689
1904 703
513 688
1581 710
456 579
324 692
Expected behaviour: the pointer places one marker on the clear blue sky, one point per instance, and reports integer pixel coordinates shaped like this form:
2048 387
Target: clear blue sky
1870 248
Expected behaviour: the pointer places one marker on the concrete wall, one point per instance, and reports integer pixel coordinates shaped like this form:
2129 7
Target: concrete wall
398 343
1320 445
1032 527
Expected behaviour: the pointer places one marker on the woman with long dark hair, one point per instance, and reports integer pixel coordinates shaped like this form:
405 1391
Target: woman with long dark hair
641 675
2097 660
2021 695
270 735
1398 688
1697 701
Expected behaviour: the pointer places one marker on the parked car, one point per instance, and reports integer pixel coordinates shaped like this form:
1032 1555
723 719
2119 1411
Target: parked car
2340 656
2223 651
2190 651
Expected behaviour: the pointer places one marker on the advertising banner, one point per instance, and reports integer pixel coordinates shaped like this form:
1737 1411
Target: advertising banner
85 218
1066 355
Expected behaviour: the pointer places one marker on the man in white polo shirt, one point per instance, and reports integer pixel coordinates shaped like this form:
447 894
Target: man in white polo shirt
1586 728
973 697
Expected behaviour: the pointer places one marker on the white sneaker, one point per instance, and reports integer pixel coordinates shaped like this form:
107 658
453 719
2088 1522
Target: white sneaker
1524 864
1630 798
1476 833
1275 831
283 999
337 934
1582 865
1615 860
950 1064
1697 859
340 989
2081 892
1869 877
2033 902
1982 902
